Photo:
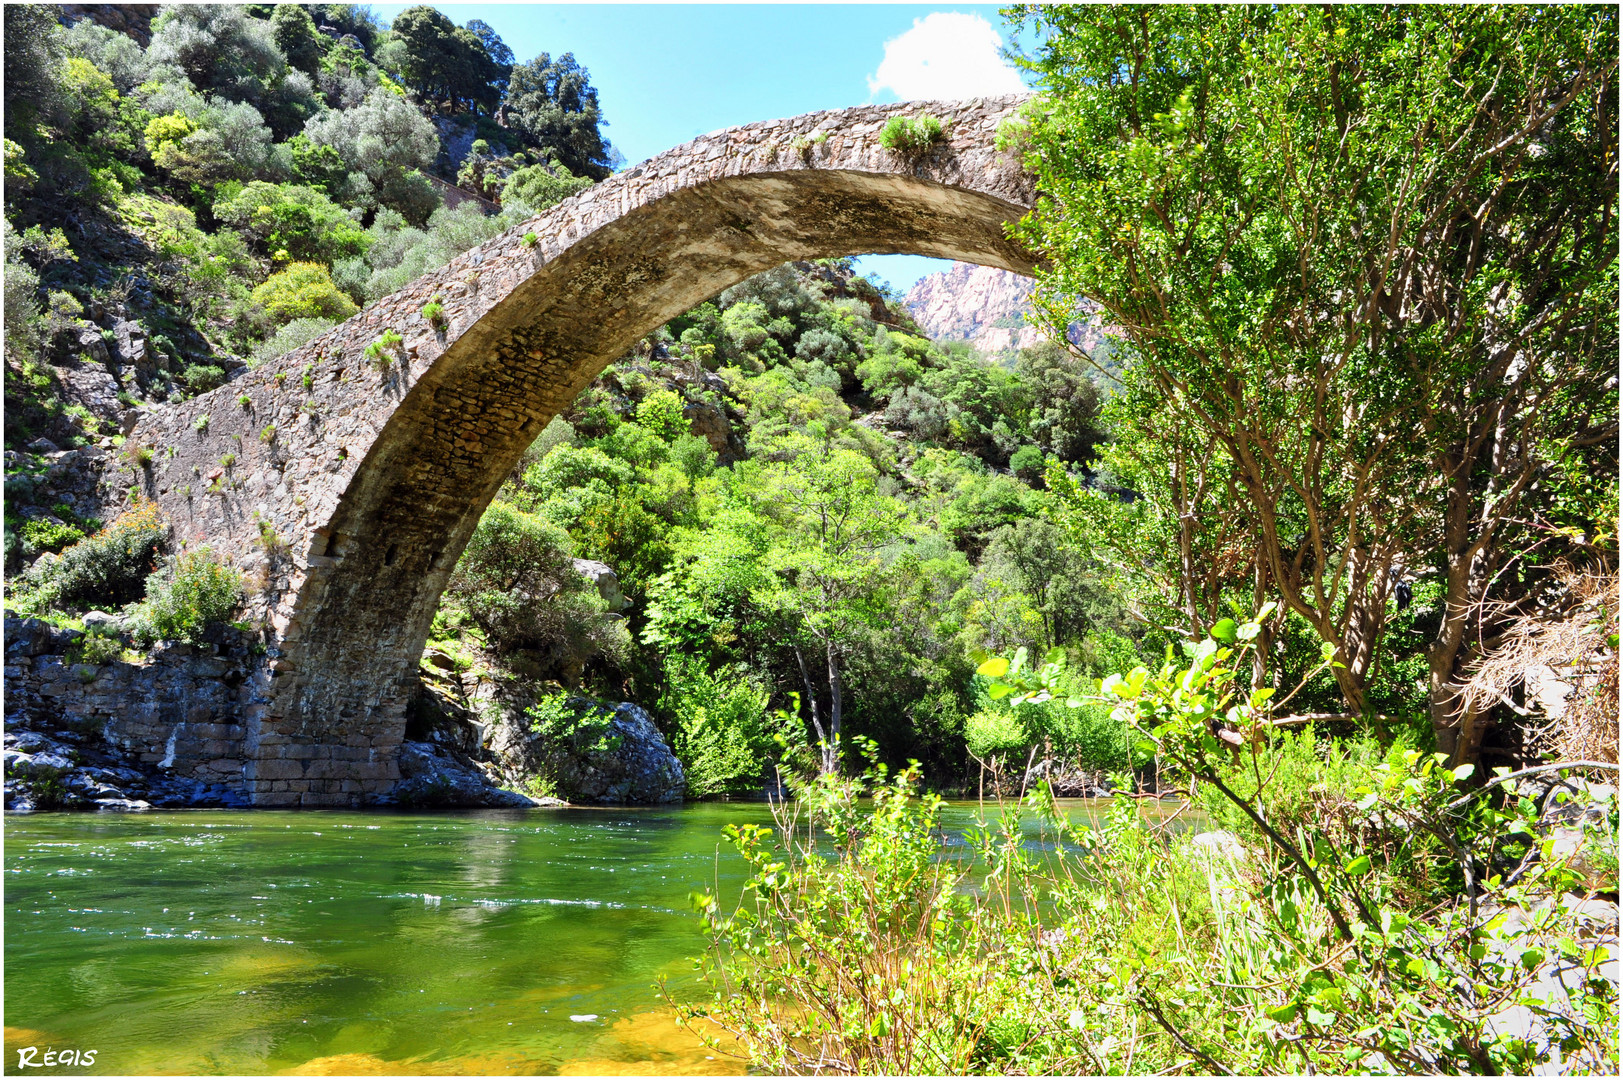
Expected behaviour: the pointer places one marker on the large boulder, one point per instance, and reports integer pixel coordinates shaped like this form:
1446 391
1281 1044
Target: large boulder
430 776
610 756
607 581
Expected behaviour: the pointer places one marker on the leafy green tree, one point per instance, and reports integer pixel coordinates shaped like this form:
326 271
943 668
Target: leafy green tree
33 56
553 107
219 48
541 186
294 33
442 62
518 583
1370 254
828 574
661 413
1065 401
383 142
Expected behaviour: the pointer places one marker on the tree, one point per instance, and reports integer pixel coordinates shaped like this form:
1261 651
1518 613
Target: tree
33 54
1065 409
219 48
500 55
442 62
295 34
829 576
385 140
292 221
1368 255
554 108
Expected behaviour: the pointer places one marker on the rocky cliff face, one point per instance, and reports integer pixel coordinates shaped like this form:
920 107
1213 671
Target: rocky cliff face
986 307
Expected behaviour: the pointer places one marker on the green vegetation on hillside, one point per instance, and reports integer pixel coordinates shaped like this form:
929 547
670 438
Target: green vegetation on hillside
854 519
237 187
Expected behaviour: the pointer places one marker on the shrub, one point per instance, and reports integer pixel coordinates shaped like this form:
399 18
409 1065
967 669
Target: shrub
293 218
267 434
541 186
201 423
911 137
530 239
40 535
289 337
100 649
203 377
378 352
434 312
109 568
518 583
720 733
661 413
1027 464
201 592
303 291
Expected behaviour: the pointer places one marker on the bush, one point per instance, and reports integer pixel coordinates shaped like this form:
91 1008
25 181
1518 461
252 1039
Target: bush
291 218
911 137
1027 464
109 568
202 591
720 730
202 378
289 337
661 413
541 186
517 581
303 291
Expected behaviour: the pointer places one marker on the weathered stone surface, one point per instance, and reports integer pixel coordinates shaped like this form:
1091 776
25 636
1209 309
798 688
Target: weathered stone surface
431 776
607 581
91 386
618 756
375 474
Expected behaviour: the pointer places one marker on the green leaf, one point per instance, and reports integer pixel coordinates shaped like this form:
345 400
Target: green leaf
1055 656
1462 772
1284 1014
1019 660
995 668
1224 631
1357 867
999 690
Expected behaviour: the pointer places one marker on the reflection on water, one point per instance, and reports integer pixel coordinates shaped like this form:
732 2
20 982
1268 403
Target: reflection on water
363 943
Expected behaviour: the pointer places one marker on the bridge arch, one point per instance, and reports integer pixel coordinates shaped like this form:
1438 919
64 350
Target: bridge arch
346 485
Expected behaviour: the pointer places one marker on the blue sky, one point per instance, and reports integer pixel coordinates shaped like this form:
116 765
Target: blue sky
666 73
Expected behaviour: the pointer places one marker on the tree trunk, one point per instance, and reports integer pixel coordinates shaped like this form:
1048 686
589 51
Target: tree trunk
811 701
831 755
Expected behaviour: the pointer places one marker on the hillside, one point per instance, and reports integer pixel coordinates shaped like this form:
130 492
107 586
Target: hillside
991 309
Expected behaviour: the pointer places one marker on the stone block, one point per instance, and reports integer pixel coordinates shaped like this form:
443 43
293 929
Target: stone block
277 769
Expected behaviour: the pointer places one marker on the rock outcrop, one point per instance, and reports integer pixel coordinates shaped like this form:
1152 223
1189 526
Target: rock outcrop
987 307
612 756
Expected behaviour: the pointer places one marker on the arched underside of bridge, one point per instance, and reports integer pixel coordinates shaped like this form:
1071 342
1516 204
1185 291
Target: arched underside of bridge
374 474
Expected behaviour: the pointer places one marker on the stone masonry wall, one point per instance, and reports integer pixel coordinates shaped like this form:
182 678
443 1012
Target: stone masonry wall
179 712
345 485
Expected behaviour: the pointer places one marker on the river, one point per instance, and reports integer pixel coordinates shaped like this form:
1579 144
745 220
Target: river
493 942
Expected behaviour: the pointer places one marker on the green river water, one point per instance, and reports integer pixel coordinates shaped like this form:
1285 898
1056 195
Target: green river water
493 942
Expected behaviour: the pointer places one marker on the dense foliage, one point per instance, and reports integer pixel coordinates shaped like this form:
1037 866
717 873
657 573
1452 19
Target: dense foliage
1366 262
239 185
819 551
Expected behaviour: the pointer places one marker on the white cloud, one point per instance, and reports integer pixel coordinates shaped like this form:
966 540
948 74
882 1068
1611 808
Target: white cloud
946 55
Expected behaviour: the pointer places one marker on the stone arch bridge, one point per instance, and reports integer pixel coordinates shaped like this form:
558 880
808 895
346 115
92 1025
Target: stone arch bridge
371 472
